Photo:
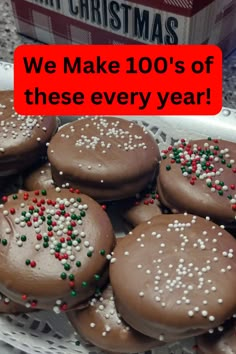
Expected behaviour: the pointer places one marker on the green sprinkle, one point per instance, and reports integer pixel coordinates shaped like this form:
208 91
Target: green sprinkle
84 284
73 237
98 291
73 293
14 197
220 192
23 213
229 197
223 161
71 277
102 252
67 266
209 184
77 342
78 264
63 276
96 277
23 238
27 262
73 216
82 213
46 238
229 165
4 242
45 245
44 192
78 240
216 147
221 184
209 138
78 200
43 218
50 228
89 253
69 243
164 157
168 168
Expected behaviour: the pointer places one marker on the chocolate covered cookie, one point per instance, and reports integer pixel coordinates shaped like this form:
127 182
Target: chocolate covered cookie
107 158
181 276
221 341
39 178
23 139
101 325
200 177
53 248
142 208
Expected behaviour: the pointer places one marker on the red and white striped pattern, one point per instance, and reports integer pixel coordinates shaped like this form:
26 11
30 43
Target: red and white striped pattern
185 4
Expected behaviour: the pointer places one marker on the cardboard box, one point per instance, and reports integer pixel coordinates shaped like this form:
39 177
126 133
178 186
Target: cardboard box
122 21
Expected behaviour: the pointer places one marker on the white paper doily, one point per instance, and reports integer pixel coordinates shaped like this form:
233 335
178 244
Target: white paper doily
48 333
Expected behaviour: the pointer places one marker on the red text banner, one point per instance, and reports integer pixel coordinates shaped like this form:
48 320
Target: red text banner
118 80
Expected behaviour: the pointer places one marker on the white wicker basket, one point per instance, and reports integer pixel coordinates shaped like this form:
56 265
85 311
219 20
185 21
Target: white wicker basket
48 333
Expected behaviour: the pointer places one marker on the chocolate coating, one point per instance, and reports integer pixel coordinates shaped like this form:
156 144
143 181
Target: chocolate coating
101 325
23 138
106 158
181 280
11 307
197 192
220 342
42 240
143 208
39 178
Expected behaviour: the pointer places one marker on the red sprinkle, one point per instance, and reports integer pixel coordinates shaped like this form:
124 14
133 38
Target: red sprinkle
64 307
12 211
24 297
33 264
33 303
